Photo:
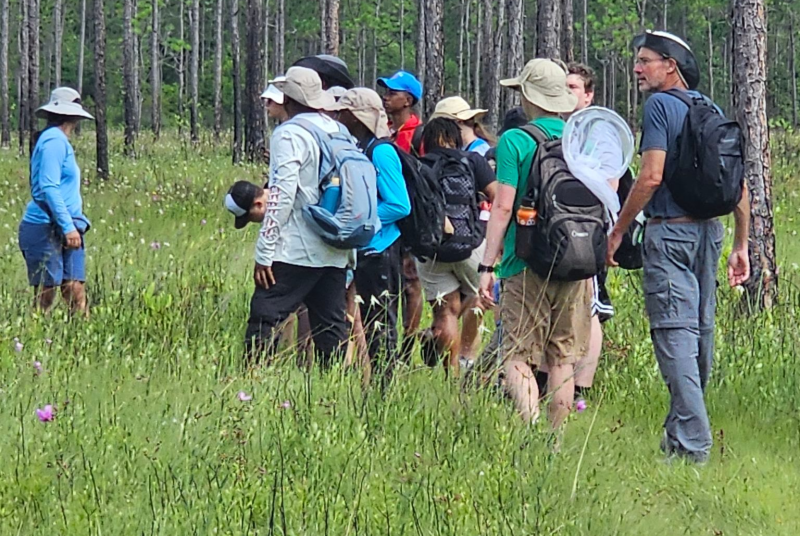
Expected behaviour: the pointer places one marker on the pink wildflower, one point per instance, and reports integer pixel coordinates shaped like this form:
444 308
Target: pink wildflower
286 404
580 405
46 414
38 366
244 397
155 245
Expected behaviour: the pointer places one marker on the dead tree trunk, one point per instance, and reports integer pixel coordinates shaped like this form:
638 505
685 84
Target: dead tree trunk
5 133
33 68
254 82
793 67
476 79
485 56
58 27
218 71
462 25
194 65
237 83
181 66
100 88
548 43
567 31
493 116
585 34
749 96
24 75
81 47
129 82
155 72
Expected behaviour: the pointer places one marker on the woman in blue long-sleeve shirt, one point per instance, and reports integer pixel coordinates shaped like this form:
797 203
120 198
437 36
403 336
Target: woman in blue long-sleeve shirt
52 228
377 276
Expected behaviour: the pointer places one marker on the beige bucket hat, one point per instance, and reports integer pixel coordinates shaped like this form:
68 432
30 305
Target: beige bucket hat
457 109
64 101
304 86
544 83
367 107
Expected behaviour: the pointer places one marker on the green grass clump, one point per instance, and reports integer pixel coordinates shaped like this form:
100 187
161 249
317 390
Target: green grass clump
150 436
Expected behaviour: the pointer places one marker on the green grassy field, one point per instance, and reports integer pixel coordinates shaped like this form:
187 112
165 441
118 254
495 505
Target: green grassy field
150 436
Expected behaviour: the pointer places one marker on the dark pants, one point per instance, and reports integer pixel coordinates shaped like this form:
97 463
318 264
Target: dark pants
680 284
323 292
377 282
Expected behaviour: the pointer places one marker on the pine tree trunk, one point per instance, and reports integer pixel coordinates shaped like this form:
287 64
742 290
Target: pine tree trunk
476 80
24 75
421 54
194 65
515 57
749 95
218 70
100 88
58 23
81 48
181 65
567 31
155 72
493 115
129 81
254 82
5 132
402 34
434 55
374 77
548 43
710 57
468 47
280 38
462 23
330 41
793 69
323 22
137 92
485 56
664 15
237 83
585 34
33 68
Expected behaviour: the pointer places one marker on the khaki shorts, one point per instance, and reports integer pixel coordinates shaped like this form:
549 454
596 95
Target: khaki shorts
441 278
545 321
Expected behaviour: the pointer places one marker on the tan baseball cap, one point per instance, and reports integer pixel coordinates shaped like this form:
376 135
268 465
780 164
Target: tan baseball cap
367 107
457 109
544 83
304 86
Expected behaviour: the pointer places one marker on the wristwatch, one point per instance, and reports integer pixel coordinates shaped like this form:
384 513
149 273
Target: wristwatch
484 269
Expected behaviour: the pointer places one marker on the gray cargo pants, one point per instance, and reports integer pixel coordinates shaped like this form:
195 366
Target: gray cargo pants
680 282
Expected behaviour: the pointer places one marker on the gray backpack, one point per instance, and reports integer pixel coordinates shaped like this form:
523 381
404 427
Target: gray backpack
566 241
355 221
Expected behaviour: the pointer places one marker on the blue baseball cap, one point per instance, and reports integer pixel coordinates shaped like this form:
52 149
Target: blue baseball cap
403 81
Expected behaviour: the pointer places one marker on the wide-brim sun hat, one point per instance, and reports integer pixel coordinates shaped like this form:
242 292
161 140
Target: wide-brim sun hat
543 83
273 93
366 105
304 86
598 147
457 109
672 47
332 68
64 101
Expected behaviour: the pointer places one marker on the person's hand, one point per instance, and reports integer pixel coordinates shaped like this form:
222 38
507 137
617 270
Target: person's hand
738 267
486 289
263 276
73 239
614 241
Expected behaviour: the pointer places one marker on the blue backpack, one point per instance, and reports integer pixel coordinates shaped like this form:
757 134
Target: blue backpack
355 221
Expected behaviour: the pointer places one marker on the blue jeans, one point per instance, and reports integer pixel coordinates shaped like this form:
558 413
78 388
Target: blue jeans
49 263
680 283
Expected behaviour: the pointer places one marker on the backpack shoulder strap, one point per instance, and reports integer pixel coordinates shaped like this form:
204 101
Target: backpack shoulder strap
377 143
681 96
416 140
535 132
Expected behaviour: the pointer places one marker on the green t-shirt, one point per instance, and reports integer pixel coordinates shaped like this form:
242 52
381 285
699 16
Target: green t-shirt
514 159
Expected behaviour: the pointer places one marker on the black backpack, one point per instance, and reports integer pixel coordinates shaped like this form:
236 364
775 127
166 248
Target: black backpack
423 229
454 173
629 253
707 173
566 241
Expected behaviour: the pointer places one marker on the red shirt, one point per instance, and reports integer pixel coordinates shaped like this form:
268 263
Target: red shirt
402 136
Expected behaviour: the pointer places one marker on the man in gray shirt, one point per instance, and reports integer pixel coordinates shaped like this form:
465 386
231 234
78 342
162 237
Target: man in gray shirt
681 253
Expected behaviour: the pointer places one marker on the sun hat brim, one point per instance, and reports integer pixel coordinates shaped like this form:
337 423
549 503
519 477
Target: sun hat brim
70 109
465 115
560 104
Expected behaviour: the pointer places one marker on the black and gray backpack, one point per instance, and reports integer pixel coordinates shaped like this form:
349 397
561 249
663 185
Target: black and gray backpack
567 240
707 174
457 182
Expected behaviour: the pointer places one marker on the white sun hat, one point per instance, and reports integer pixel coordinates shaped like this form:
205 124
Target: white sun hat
598 147
272 93
64 101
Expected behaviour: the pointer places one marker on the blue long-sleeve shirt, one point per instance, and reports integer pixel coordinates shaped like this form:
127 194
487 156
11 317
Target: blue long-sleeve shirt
55 181
393 201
